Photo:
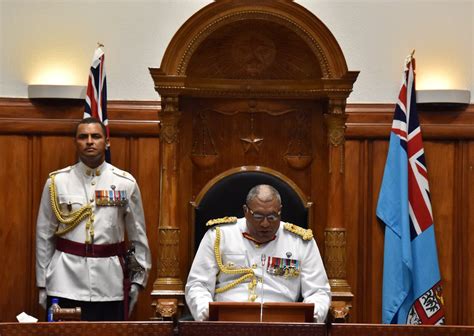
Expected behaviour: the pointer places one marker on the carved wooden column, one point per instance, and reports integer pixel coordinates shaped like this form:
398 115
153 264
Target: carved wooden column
335 232
168 290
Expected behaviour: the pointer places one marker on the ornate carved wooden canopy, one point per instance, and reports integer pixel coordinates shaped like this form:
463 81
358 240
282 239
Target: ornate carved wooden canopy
251 82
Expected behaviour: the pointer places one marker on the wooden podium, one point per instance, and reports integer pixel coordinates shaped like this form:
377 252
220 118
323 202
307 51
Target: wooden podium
272 311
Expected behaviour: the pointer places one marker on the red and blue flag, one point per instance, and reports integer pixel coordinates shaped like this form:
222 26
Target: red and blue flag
412 292
96 95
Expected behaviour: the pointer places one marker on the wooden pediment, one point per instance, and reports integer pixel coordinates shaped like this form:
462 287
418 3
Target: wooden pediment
254 48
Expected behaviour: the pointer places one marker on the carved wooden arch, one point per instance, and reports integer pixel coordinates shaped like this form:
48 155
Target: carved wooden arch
210 18
267 170
172 78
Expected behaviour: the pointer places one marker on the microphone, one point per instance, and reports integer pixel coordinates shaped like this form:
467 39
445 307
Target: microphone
263 258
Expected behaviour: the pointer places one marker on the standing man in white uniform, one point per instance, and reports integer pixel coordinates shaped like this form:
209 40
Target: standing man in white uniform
84 213
235 255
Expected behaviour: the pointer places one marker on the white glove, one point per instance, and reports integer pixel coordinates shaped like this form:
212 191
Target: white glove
42 296
133 297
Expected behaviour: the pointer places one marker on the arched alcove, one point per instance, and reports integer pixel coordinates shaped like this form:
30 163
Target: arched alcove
246 82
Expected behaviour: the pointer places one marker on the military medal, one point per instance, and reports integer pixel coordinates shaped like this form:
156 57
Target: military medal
111 197
288 268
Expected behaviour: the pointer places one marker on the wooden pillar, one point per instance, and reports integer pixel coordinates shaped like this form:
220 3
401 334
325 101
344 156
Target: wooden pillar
335 232
168 289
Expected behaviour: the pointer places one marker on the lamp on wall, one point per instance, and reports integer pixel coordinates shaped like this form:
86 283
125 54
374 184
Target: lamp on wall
56 91
443 99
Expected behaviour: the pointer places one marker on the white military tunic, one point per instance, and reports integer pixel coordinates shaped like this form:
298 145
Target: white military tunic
86 278
238 252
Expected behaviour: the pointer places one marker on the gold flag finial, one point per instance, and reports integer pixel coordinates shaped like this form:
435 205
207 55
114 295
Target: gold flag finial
99 45
409 58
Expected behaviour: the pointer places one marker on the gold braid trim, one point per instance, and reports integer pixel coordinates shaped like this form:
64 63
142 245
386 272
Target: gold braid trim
248 272
71 220
306 234
223 220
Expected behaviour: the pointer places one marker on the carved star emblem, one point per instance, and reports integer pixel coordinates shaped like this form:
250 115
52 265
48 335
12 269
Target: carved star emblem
251 141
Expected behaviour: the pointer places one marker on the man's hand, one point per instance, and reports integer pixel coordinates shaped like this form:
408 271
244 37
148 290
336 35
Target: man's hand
42 297
133 297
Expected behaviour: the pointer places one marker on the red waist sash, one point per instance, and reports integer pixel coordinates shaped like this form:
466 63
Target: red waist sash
90 250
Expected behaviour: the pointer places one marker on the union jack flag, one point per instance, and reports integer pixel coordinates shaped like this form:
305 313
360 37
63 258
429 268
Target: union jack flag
96 96
412 292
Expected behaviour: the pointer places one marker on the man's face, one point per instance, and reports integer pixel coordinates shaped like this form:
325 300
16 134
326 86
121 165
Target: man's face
263 218
91 143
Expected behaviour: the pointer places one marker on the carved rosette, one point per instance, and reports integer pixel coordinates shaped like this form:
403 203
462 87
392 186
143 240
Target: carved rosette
169 119
167 308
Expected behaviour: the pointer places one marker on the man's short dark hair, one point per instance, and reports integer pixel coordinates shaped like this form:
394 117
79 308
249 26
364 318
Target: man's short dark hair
92 120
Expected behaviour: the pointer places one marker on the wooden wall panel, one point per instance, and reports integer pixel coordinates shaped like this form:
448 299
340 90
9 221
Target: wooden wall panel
449 156
36 139
144 153
465 289
356 214
30 148
440 160
15 231
375 232
365 161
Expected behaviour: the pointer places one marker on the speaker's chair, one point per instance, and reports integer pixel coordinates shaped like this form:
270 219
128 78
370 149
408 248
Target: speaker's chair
226 193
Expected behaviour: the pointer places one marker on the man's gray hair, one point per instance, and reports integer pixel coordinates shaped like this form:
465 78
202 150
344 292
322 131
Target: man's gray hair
263 192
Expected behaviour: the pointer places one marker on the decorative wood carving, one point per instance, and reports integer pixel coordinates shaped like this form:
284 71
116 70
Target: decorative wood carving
169 118
167 309
264 73
251 140
335 253
336 139
335 233
168 238
168 287
204 152
335 262
299 153
336 126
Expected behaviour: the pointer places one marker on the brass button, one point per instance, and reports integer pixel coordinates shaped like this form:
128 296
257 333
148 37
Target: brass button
93 182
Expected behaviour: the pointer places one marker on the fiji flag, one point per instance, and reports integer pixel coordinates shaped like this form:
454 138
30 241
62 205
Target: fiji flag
96 96
412 292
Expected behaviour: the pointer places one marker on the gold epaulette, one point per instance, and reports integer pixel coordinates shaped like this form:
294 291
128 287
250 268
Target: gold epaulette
306 234
222 220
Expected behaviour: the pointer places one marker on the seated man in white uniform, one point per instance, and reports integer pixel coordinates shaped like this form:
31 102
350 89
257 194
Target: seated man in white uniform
236 253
